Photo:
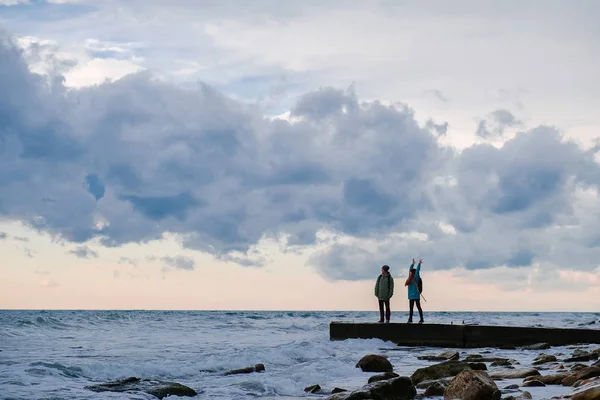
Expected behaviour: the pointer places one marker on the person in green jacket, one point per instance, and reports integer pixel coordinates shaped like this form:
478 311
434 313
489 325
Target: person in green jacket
384 290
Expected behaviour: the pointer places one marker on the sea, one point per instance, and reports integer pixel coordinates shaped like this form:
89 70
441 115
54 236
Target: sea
56 354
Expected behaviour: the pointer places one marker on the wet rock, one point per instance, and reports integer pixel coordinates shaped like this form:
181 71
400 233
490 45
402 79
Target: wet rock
446 355
256 368
592 393
596 364
383 377
579 356
554 379
587 323
543 359
515 373
374 363
400 388
426 384
511 387
533 383
595 380
156 388
502 363
472 385
338 390
438 371
578 367
435 389
523 396
313 389
480 358
588 372
506 347
537 346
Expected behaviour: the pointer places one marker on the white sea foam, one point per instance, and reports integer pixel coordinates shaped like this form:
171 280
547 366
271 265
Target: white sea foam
55 354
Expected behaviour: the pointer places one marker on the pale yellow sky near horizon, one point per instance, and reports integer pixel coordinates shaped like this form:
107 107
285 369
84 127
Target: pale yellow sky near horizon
53 279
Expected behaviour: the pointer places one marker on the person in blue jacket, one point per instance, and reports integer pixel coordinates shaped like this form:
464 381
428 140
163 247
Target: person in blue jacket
414 296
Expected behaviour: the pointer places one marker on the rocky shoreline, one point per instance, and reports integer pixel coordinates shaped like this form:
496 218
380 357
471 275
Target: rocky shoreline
451 375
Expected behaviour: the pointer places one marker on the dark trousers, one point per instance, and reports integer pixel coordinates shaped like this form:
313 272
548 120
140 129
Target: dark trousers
412 305
388 313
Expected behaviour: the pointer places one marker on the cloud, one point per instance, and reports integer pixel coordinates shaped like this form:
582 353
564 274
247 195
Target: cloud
84 252
181 262
496 124
21 239
128 260
127 161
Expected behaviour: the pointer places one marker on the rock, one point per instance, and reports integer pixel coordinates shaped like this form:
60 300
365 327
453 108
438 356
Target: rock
426 384
537 346
502 363
400 388
592 393
506 347
596 364
523 396
555 379
438 371
581 356
587 323
156 388
472 385
543 358
435 389
479 358
338 390
533 383
578 367
588 372
479 366
589 381
374 363
446 355
383 377
312 389
515 373
256 368
511 387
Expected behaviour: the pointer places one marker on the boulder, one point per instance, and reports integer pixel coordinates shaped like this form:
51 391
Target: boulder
374 363
523 396
435 389
537 346
446 355
472 385
438 371
596 364
480 358
256 368
578 367
592 393
533 383
383 377
400 388
515 373
156 388
581 356
426 384
585 373
554 379
338 390
502 363
511 387
313 389
543 359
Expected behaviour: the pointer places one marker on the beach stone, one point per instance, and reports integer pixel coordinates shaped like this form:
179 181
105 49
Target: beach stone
523 396
544 358
472 385
338 390
480 358
426 384
592 393
438 371
588 372
502 363
554 379
533 383
256 368
400 388
511 387
588 381
537 346
446 355
156 388
596 364
435 389
383 377
578 367
515 373
374 363
312 389
581 356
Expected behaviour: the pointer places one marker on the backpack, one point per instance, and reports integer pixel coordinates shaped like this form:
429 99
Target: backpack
420 285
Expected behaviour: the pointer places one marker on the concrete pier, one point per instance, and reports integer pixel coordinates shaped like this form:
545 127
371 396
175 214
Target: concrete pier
440 335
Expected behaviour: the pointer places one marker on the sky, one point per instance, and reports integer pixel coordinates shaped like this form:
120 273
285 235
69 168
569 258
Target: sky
273 155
